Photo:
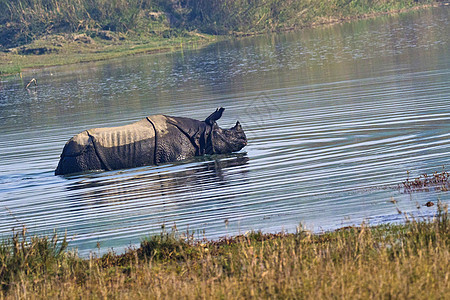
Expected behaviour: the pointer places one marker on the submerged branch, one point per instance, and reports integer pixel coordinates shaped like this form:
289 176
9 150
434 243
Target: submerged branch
31 82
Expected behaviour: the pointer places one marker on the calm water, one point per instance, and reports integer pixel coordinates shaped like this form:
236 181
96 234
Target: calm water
335 118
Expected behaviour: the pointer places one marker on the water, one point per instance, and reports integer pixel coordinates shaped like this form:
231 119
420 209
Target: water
335 118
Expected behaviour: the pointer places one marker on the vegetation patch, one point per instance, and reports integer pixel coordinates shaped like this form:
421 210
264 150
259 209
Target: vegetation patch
389 261
424 183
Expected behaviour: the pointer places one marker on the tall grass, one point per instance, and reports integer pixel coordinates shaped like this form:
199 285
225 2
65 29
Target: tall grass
247 16
26 259
23 21
410 261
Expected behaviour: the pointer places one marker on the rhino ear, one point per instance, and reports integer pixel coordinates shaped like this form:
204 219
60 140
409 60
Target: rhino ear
214 116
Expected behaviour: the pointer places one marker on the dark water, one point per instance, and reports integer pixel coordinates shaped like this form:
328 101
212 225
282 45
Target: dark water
335 118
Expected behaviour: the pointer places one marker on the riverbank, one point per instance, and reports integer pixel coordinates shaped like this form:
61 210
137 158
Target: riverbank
389 261
77 35
64 50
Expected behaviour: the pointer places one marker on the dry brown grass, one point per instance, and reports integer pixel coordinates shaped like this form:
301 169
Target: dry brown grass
410 261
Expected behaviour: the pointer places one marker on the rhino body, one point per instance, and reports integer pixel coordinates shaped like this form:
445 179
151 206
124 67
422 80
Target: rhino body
153 140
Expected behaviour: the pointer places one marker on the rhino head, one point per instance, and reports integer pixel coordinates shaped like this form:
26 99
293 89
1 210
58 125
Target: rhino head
224 140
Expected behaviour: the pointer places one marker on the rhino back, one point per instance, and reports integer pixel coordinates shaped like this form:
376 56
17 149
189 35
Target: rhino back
155 139
126 146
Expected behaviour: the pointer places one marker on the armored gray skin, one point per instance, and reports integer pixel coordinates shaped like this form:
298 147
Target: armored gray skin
150 141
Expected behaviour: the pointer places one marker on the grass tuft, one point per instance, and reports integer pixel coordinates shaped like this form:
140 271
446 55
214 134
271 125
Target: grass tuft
23 258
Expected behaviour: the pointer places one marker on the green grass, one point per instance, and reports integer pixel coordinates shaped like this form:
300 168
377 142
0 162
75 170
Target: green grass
409 261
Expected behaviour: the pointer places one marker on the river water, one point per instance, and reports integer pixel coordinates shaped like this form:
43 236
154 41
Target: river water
336 119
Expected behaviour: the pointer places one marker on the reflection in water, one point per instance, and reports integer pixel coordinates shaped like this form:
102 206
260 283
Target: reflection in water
118 187
335 117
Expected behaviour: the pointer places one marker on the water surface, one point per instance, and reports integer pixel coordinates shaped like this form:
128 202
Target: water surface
335 119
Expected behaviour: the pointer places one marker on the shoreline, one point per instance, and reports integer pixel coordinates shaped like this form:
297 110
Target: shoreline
15 64
70 50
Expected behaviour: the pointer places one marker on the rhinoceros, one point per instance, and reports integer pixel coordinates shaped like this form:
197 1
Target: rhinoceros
153 140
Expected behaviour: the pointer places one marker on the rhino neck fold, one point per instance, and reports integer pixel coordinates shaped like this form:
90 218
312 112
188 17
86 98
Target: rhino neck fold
201 138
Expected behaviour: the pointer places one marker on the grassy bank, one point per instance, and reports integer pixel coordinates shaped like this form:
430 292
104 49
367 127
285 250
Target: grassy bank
64 49
410 261
39 33
35 33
